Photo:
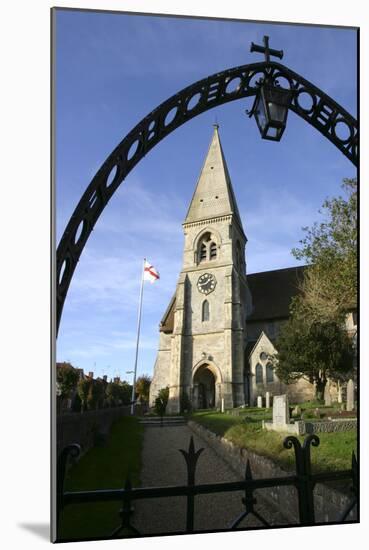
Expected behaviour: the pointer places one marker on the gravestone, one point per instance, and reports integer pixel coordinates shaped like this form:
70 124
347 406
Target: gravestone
281 414
339 395
327 396
267 400
350 396
222 405
260 402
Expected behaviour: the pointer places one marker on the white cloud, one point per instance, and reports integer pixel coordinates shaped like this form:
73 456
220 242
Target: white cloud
139 224
137 211
277 214
111 283
108 346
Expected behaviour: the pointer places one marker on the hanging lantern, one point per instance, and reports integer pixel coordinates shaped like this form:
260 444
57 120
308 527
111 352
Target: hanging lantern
270 110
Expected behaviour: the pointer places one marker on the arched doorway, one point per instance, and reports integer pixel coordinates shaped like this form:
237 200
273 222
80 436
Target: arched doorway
204 388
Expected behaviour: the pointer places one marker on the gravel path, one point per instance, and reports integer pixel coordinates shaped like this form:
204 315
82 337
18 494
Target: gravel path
164 465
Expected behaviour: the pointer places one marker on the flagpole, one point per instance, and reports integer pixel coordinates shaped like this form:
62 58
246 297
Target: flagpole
138 336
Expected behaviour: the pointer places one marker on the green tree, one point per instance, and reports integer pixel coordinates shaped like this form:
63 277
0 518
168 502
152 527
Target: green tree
96 394
112 394
329 288
83 389
119 393
314 342
315 350
125 393
67 378
142 387
100 392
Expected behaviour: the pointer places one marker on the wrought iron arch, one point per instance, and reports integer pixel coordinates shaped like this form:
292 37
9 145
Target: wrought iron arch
318 109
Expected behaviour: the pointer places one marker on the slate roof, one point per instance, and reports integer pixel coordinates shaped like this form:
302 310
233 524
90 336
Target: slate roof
272 292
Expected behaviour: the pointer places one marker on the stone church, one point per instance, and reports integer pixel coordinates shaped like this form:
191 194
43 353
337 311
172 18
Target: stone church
219 327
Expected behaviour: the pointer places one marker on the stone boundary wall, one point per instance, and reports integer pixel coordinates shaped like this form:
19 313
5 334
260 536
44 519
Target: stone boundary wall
329 502
88 427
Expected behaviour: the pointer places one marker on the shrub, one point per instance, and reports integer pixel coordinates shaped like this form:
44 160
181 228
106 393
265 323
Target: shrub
142 387
161 401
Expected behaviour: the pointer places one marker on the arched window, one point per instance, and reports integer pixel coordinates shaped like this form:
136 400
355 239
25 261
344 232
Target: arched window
205 311
259 374
207 248
269 373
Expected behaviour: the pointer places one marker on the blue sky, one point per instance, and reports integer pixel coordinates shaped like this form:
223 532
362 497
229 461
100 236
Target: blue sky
113 69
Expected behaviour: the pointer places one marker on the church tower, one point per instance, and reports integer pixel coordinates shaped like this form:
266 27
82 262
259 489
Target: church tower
203 333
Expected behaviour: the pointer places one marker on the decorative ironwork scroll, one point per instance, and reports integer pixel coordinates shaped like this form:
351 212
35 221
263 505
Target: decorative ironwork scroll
310 103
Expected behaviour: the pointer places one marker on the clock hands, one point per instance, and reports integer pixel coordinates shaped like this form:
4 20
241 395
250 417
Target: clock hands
206 283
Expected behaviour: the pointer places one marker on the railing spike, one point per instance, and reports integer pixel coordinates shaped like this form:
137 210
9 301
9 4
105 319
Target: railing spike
191 448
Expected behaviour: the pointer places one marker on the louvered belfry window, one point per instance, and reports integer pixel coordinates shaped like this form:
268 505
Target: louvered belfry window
208 249
213 251
203 252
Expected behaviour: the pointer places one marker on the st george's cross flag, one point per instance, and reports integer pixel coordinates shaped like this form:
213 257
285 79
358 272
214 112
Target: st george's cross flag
150 273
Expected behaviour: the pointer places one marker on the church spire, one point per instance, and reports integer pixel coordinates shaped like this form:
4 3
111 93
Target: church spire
213 195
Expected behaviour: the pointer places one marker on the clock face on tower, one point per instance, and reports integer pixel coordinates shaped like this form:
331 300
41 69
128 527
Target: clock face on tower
206 283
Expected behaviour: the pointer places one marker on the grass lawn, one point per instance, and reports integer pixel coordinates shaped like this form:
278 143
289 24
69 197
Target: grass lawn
333 453
103 468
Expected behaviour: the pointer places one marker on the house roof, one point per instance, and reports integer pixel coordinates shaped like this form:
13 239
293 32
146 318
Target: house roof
272 292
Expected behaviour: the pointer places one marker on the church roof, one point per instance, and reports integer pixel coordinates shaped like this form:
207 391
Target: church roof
214 194
272 292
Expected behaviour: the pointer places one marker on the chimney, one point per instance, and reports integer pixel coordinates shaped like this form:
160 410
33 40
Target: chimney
105 377
90 374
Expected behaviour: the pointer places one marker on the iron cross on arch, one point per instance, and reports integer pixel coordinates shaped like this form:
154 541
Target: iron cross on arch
266 50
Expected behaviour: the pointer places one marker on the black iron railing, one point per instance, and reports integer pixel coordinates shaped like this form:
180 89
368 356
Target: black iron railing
303 480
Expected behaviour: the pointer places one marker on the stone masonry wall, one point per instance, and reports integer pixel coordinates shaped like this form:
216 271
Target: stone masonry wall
329 501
